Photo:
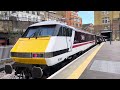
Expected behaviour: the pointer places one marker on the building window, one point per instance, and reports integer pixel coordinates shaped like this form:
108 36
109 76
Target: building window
24 11
105 12
13 11
33 12
76 25
38 13
27 11
105 20
30 12
74 19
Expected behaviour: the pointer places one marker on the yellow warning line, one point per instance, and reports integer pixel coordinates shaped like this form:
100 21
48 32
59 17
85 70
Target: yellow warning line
77 73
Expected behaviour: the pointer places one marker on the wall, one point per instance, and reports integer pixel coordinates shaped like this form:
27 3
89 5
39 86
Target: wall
12 29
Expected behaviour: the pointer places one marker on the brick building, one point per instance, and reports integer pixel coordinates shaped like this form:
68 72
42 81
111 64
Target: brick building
107 21
12 22
73 19
88 27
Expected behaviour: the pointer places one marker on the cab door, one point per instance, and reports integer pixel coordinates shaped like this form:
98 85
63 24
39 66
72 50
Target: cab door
69 38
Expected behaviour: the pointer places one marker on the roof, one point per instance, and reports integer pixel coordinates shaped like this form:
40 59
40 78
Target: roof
86 25
106 31
47 23
55 22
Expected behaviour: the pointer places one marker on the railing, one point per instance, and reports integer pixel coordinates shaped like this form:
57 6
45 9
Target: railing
5 52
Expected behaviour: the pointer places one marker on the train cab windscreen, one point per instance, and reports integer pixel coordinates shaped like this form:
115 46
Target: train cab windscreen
38 31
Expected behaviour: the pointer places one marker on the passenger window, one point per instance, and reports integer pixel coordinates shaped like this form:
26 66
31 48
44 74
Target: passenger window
82 37
77 38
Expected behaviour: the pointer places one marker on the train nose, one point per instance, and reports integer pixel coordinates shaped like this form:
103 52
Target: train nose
31 45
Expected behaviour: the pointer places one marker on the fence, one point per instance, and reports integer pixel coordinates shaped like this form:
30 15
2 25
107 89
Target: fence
5 52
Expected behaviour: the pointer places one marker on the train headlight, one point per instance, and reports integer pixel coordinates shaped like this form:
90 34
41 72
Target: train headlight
37 55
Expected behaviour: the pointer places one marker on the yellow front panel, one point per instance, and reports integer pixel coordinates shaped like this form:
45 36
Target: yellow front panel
30 60
31 45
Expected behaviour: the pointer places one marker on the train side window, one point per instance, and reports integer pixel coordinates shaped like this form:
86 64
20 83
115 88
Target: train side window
79 37
86 37
82 37
69 32
76 38
92 37
62 31
89 37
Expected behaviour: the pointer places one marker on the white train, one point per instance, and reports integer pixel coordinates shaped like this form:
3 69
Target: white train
47 44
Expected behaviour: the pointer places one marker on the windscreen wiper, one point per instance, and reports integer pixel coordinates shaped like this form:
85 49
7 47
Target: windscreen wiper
32 35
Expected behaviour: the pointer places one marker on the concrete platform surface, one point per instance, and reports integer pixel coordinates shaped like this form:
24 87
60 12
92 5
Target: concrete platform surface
106 63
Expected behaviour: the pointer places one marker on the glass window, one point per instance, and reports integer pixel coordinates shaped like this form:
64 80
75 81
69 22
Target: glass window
38 13
64 31
33 12
46 31
27 11
30 32
13 11
77 38
60 33
105 12
30 12
82 37
37 31
69 32
105 20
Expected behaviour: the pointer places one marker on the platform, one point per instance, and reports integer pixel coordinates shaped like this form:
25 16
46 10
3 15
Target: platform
106 63
100 62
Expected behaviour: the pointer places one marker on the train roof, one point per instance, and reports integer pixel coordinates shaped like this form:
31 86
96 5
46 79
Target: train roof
55 22
47 23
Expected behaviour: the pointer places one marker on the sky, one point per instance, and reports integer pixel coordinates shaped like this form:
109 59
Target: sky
87 16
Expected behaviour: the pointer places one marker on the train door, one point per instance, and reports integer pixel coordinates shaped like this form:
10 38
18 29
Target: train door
69 38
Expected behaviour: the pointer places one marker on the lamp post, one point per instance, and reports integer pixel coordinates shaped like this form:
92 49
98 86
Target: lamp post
48 15
119 26
110 32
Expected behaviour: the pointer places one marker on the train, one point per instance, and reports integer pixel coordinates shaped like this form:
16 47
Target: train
46 44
